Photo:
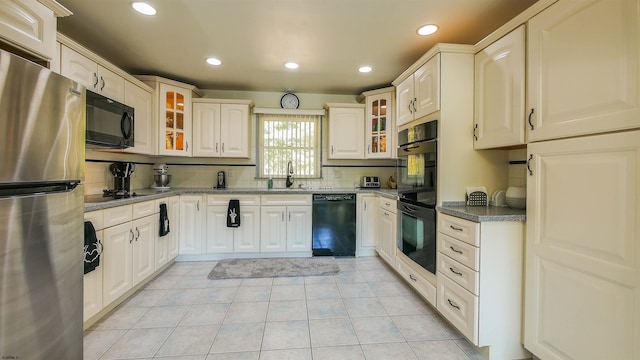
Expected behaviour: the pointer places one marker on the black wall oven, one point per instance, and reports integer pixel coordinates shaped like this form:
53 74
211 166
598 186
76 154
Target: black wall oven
417 174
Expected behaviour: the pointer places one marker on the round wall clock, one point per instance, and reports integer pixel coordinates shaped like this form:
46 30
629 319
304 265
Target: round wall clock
289 101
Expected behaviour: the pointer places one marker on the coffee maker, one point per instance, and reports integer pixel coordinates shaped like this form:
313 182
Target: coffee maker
122 172
221 182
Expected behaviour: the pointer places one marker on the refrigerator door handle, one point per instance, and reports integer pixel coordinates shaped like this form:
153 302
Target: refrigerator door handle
27 189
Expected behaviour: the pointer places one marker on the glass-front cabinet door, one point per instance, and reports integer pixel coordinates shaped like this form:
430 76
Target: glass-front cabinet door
175 132
379 126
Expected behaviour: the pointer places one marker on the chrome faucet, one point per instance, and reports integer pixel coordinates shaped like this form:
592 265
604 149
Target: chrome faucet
289 182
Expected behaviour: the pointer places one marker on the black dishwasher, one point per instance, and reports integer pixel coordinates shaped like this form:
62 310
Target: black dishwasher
334 224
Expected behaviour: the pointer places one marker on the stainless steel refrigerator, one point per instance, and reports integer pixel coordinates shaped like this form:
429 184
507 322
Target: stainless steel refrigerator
42 132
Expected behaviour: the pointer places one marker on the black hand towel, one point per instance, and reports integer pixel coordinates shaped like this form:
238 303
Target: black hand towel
164 220
233 213
92 248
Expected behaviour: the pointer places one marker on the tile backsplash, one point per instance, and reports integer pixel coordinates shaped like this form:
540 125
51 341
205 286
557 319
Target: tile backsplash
518 172
98 177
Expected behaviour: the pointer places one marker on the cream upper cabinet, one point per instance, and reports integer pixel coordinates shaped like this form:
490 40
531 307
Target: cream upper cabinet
500 92
92 75
173 107
346 131
379 126
221 129
206 129
419 94
145 127
583 248
30 25
234 130
175 121
583 68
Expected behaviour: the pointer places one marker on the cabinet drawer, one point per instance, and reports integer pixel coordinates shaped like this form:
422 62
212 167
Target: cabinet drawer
458 306
96 218
143 209
286 199
388 204
218 200
459 273
461 229
117 215
462 252
161 201
424 287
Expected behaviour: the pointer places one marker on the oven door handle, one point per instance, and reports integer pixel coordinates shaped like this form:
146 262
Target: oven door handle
409 209
409 148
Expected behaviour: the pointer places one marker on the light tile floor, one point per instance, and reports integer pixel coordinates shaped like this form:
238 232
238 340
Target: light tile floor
365 312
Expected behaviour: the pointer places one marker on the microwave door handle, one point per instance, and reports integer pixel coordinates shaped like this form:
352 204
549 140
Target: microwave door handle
125 133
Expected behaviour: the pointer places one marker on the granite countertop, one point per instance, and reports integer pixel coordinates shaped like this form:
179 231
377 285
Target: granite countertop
483 213
97 202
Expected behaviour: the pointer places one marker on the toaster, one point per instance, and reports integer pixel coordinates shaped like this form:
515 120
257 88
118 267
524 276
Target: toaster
369 182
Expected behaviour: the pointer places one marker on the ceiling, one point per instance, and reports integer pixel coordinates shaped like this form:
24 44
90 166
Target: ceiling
330 39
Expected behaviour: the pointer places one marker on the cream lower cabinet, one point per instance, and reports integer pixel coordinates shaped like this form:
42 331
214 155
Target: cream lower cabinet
223 239
166 247
387 230
583 79
92 298
479 282
192 224
366 211
285 223
128 249
583 248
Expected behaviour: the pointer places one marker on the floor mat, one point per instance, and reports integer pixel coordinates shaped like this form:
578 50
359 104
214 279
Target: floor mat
274 267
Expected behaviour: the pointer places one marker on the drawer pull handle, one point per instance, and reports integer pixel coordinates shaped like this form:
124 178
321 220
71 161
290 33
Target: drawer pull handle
412 277
453 304
455 250
132 236
455 272
455 228
137 233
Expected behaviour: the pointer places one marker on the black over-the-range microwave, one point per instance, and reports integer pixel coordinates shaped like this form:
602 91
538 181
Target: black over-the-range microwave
110 124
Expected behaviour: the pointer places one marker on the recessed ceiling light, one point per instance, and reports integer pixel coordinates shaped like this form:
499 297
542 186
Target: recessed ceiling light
427 29
213 61
291 65
365 69
143 8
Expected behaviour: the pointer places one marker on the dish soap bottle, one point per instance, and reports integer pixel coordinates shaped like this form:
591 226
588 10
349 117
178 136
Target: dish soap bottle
270 183
392 182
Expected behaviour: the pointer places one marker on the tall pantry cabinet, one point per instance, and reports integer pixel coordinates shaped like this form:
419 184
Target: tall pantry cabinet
582 294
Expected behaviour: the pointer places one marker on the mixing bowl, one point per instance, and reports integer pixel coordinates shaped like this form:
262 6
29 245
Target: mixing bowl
161 180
